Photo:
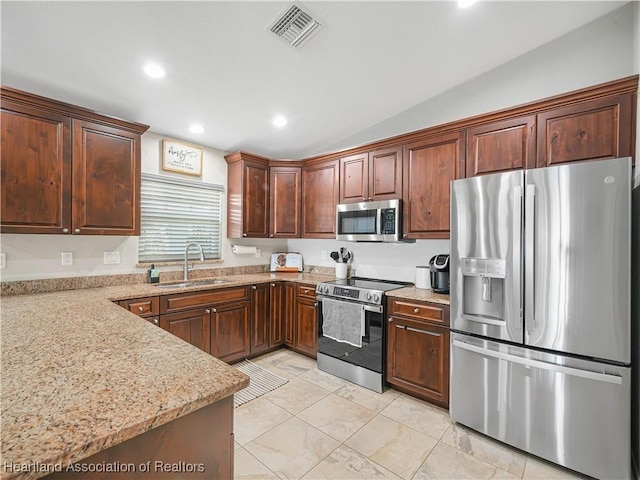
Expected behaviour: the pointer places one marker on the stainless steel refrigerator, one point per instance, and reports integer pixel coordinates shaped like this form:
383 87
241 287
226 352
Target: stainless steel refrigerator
540 312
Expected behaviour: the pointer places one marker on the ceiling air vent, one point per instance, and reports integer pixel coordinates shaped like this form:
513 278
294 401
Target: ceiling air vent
295 26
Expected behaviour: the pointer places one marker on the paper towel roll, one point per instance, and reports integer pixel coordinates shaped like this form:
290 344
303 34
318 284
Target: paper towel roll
242 250
423 279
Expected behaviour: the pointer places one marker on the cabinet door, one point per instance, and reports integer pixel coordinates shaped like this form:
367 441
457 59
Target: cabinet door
429 166
230 327
501 146
191 326
276 314
106 180
260 318
418 359
595 129
256 201
354 178
35 170
285 202
385 174
319 199
289 313
306 331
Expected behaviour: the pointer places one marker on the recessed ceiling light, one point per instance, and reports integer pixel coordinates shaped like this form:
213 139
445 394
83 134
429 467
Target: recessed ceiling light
154 70
196 128
466 3
279 121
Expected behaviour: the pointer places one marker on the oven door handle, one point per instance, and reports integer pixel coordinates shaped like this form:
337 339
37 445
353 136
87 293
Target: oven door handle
368 308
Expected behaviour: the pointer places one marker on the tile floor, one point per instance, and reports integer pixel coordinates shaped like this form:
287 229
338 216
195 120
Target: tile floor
319 426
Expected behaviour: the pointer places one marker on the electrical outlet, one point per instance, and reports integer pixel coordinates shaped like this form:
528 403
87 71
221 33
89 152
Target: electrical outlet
111 258
257 253
3 260
67 258
324 254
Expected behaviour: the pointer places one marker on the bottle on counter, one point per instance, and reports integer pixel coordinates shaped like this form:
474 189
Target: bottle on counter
153 274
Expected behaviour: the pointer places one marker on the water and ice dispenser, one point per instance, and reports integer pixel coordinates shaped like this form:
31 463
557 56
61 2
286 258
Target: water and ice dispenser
483 288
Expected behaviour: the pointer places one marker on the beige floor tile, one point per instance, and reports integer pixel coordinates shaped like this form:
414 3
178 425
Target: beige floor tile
538 469
448 463
419 415
347 464
323 379
255 418
296 395
392 445
286 363
247 467
337 417
292 448
367 398
485 449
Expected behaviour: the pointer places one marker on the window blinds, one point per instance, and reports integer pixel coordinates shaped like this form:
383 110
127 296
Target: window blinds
175 212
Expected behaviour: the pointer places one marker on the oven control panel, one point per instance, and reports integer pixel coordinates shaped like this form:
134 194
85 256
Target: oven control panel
346 292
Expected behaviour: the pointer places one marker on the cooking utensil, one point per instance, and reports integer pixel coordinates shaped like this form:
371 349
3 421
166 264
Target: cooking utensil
335 256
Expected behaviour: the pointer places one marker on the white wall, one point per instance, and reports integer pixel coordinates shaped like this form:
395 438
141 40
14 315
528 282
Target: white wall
598 52
38 256
392 261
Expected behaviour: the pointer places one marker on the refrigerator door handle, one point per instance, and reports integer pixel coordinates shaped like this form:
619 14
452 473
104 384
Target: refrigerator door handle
600 377
529 232
517 253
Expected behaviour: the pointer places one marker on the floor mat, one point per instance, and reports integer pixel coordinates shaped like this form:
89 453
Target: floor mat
262 381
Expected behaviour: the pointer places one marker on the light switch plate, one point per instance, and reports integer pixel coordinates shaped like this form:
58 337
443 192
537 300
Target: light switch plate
67 258
257 253
324 254
3 260
111 258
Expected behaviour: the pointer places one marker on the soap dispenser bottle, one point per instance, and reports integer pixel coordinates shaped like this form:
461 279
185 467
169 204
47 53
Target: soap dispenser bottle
153 275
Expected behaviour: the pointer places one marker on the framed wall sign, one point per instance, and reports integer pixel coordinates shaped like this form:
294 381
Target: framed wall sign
181 157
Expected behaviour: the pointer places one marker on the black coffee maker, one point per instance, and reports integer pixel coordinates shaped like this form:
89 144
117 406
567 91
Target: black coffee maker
439 270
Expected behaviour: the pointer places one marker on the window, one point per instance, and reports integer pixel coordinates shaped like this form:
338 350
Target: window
174 212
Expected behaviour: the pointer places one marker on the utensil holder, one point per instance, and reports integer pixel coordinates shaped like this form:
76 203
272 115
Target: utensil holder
341 270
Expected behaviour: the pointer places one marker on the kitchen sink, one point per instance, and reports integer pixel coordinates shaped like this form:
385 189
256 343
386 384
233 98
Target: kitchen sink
195 283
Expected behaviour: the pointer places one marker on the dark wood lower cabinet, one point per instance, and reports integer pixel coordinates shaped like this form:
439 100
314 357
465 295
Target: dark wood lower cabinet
201 442
191 326
230 331
289 313
260 325
306 327
276 314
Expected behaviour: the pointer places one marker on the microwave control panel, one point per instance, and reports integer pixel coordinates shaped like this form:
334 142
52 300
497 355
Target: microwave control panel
388 221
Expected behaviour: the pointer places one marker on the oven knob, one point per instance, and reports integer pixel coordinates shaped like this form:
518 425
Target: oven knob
376 298
326 289
368 296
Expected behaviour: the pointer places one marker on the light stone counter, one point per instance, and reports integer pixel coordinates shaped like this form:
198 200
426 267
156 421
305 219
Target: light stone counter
424 295
81 374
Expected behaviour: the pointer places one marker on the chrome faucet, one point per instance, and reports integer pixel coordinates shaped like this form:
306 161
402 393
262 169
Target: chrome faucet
186 259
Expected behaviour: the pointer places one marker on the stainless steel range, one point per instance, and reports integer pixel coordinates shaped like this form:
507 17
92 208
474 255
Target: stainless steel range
351 340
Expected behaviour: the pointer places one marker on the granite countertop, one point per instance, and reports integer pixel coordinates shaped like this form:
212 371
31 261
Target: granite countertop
425 295
81 374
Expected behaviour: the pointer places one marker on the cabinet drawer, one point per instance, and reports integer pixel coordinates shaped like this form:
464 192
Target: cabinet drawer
419 310
305 290
181 301
142 306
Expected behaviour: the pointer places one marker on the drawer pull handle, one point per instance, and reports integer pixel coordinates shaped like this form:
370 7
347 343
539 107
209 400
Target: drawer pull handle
140 309
417 330
416 310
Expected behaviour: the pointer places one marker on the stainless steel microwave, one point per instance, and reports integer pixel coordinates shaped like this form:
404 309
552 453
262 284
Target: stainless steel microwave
369 221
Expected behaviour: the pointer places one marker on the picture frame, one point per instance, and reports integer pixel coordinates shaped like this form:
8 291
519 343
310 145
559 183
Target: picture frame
181 157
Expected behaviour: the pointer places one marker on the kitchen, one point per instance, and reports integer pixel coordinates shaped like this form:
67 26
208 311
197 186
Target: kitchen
28 257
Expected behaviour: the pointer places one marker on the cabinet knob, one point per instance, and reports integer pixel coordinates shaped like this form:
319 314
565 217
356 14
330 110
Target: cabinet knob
155 321
273 284
77 230
364 199
214 310
315 304
306 290
65 230
416 310
253 287
390 319
244 234
207 311
271 235
140 309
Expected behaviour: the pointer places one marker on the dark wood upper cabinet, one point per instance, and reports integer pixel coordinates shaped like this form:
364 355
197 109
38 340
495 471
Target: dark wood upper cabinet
595 129
429 166
66 169
371 176
286 202
106 180
320 187
501 146
248 195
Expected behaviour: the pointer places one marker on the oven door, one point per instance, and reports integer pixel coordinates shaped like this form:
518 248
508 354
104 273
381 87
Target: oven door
370 354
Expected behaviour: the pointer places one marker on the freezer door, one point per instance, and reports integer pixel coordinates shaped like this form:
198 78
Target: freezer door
573 412
577 259
486 256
